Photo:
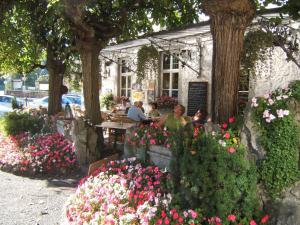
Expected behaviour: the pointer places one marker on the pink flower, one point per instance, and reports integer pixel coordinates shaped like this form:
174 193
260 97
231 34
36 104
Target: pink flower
152 142
266 114
167 221
231 150
231 217
226 135
270 101
231 120
254 102
175 216
252 222
193 214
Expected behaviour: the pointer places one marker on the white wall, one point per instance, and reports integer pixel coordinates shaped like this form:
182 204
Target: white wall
275 72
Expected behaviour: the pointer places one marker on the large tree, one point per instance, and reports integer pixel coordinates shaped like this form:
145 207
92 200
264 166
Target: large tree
34 31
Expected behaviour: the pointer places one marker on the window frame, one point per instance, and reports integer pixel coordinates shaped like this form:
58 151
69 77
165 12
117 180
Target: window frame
127 73
170 71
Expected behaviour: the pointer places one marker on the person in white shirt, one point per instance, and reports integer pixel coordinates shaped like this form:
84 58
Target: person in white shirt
135 113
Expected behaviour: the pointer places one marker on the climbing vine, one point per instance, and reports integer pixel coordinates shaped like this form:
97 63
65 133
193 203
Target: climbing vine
147 60
279 137
256 44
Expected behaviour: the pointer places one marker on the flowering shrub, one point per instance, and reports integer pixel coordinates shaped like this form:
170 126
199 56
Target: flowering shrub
50 153
166 102
280 139
125 192
215 175
144 136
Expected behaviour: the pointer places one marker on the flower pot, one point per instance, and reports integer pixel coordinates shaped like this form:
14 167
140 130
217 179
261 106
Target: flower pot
160 156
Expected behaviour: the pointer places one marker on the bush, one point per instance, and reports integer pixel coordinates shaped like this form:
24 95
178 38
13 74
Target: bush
215 175
280 139
107 100
17 122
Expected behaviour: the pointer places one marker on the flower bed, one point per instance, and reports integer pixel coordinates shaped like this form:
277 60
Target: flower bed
125 192
39 154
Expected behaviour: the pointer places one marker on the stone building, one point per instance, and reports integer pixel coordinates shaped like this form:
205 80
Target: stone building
185 63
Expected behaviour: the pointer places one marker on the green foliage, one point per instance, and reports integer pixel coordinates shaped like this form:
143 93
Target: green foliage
147 59
16 122
280 139
295 86
215 180
14 104
107 100
255 45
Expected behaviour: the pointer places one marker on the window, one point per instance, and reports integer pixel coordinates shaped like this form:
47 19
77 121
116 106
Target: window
170 75
125 79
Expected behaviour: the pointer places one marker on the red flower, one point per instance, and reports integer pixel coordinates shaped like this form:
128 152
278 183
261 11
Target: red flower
175 216
163 214
224 125
167 221
226 135
264 219
231 217
231 120
252 222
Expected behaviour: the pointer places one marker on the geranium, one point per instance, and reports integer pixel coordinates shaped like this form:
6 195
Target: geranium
264 219
231 217
145 135
166 102
49 153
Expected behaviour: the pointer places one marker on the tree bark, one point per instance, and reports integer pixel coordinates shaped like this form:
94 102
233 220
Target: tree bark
89 53
56 69
229 20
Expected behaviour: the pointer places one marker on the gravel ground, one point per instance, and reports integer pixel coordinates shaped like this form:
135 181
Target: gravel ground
27 201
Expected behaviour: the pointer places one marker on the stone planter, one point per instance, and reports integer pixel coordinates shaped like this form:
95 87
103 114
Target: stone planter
160 156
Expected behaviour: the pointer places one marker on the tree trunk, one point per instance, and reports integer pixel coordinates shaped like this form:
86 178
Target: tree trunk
56 69
89 53
229 20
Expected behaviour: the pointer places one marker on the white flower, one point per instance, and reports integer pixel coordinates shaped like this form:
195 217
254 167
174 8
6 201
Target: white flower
266 96
286 112
268 120
272 117
285 96
278 97
280 113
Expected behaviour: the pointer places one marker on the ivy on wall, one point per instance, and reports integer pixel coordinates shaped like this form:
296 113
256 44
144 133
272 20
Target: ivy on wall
255 45
147 60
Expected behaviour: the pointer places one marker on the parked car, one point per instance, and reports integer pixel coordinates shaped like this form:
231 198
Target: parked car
6 101
75 99
44 102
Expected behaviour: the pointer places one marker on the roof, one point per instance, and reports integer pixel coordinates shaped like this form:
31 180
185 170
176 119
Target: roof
191 30
202 28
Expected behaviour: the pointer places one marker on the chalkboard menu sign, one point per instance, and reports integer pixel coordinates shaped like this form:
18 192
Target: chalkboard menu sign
197 97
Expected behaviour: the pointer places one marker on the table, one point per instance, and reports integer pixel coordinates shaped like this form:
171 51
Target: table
115 126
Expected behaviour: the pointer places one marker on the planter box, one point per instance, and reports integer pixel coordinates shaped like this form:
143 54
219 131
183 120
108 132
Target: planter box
160 156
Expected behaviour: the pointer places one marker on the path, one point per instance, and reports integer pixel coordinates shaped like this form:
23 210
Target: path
26 201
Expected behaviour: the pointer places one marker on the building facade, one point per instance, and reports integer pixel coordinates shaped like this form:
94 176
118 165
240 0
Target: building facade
185 64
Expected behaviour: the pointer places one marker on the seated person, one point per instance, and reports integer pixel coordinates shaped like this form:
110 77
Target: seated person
135 113
141 106
175 121
153 112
